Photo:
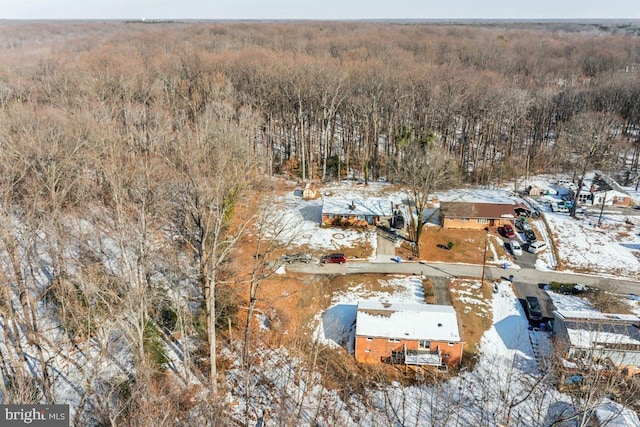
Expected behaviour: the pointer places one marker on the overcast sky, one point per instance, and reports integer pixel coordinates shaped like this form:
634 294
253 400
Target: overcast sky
319 9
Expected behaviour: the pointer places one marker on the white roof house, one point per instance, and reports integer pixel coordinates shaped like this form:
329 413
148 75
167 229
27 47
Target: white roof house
408 321
374 207
614 336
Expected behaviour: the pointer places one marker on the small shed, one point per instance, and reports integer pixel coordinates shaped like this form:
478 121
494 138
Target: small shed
534 191
310 191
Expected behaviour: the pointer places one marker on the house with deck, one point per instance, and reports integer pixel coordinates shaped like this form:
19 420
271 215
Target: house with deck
594 340
477 216
410 334
355 212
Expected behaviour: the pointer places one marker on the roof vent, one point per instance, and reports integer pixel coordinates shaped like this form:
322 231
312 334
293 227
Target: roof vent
439 325
352 206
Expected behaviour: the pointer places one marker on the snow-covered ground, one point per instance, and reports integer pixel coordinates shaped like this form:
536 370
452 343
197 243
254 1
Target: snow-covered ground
504 387
610 248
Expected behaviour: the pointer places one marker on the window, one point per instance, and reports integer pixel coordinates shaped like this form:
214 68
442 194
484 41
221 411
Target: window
483 221
367 350
394 340
451 344
360 217
369 339
424 344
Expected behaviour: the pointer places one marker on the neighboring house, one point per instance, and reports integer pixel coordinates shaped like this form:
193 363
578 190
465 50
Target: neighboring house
355 212
592 339
604 190
479 215
412 334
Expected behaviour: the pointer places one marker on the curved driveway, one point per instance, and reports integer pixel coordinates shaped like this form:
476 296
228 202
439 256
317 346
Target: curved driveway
524 275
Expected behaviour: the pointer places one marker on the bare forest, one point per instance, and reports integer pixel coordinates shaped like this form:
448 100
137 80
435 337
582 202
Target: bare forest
132 154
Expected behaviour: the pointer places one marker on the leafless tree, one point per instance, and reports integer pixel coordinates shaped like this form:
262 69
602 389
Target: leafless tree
423 168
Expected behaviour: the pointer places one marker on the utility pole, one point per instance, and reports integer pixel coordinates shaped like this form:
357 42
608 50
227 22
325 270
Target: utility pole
484 257
602 208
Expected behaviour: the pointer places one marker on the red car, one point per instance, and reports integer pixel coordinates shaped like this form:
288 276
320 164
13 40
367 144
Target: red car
334 259
508 231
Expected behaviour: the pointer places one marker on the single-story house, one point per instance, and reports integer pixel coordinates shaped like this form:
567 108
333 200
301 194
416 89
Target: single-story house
593 339
357 212
604 190
412 334
478 216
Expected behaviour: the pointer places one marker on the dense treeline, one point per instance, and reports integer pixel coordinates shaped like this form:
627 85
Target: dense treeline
126 150
323 97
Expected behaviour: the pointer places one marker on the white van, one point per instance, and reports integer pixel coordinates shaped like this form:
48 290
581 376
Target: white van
559 207
537 246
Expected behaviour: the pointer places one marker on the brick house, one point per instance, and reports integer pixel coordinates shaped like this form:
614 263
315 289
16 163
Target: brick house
355 212
412 334
478 216
588 339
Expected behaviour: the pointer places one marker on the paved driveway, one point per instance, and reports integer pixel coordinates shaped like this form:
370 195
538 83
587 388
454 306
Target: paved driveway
523 290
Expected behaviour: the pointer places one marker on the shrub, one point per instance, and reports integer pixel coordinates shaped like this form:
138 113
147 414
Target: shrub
154 345
450 245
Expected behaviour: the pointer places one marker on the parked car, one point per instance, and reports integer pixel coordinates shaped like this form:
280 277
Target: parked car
533 308
334 259
291 258
515 247
559 207
508 231
398 220
537 246
522 224
530 236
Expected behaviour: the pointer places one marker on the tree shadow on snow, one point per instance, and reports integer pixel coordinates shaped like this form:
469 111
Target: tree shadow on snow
338 324
312 213
514 333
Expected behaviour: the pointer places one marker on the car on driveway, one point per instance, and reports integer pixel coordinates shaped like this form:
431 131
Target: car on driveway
515 247
530 236
333 259
522 224
537 246
508 231
533 308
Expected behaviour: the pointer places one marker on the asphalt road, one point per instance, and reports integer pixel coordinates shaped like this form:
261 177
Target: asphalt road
524 275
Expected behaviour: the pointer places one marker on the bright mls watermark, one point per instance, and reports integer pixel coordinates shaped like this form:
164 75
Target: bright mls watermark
34 415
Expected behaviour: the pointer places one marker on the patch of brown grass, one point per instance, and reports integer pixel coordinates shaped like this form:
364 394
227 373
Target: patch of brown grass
429 292
468 245
608 303
474 318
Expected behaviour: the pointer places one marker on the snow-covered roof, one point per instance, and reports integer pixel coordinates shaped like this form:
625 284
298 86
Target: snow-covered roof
596 315
366 207
591 329
407 321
